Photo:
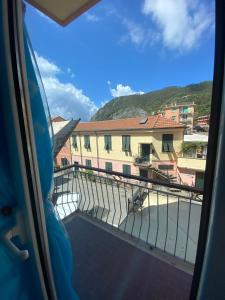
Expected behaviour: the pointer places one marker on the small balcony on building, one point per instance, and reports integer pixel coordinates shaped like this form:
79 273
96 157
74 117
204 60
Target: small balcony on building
132 238
145 155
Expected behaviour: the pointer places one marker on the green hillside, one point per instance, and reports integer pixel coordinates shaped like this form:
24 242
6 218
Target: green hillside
137 105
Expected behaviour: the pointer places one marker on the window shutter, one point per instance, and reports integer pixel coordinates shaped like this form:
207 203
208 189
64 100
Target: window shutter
74 141
108 145
108 166
126 143
110 142
86 141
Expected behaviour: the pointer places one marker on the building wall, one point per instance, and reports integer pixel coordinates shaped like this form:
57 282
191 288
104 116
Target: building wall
186 176
197 164
175 113
65 152
119 157
117 165
169 113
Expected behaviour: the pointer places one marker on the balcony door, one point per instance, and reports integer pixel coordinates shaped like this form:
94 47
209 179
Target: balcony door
145 151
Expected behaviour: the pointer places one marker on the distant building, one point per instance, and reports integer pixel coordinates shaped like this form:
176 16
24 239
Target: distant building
57 119
192 162
146 146
203 120
181 113
62 146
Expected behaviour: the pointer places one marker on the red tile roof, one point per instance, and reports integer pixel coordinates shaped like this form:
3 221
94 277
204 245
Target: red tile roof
57 119
153 122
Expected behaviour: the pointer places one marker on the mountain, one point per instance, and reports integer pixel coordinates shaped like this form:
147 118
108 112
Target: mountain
149 103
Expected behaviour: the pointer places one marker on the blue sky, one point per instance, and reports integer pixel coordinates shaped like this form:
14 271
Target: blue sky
119 48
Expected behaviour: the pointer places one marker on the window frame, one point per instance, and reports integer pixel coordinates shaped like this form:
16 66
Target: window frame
74 141
108 163
126 143
87 142
169 143
108 142
64 159
128 168
87 161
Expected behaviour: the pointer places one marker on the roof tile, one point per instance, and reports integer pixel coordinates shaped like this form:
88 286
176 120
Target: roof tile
153 122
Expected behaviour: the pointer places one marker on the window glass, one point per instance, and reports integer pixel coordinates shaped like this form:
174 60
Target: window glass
64 161
126 169
88 162
167 142
165 167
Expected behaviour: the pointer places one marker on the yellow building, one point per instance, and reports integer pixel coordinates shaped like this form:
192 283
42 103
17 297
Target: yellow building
147 146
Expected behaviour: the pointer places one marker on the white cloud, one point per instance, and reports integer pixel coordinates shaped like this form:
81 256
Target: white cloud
135 32
92 17
181 22
123 90
64 99
46 67
71 74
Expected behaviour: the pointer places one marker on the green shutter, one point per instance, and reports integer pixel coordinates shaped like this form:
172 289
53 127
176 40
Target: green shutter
125 142
86 141
108 143
108 166
74 139
88 163
126 169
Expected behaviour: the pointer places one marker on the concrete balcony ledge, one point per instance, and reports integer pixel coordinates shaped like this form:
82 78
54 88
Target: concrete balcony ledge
197 164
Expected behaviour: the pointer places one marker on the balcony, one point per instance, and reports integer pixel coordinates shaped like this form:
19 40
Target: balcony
189 114
192 162
143 160
132 238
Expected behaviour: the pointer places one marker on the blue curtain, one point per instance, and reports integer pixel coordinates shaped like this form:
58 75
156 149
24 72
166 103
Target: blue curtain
59 244
17 281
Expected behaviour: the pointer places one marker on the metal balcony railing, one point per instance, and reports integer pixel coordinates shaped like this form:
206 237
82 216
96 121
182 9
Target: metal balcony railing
161 214
143 159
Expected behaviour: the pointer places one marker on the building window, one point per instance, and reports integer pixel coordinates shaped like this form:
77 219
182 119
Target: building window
126 169
173 118
87 144
108 142
64 161
88 163
165 167
108 166
167 142
184 109
126 142
74 141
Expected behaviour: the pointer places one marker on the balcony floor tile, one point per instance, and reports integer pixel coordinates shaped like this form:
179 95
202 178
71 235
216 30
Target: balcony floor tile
108 267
